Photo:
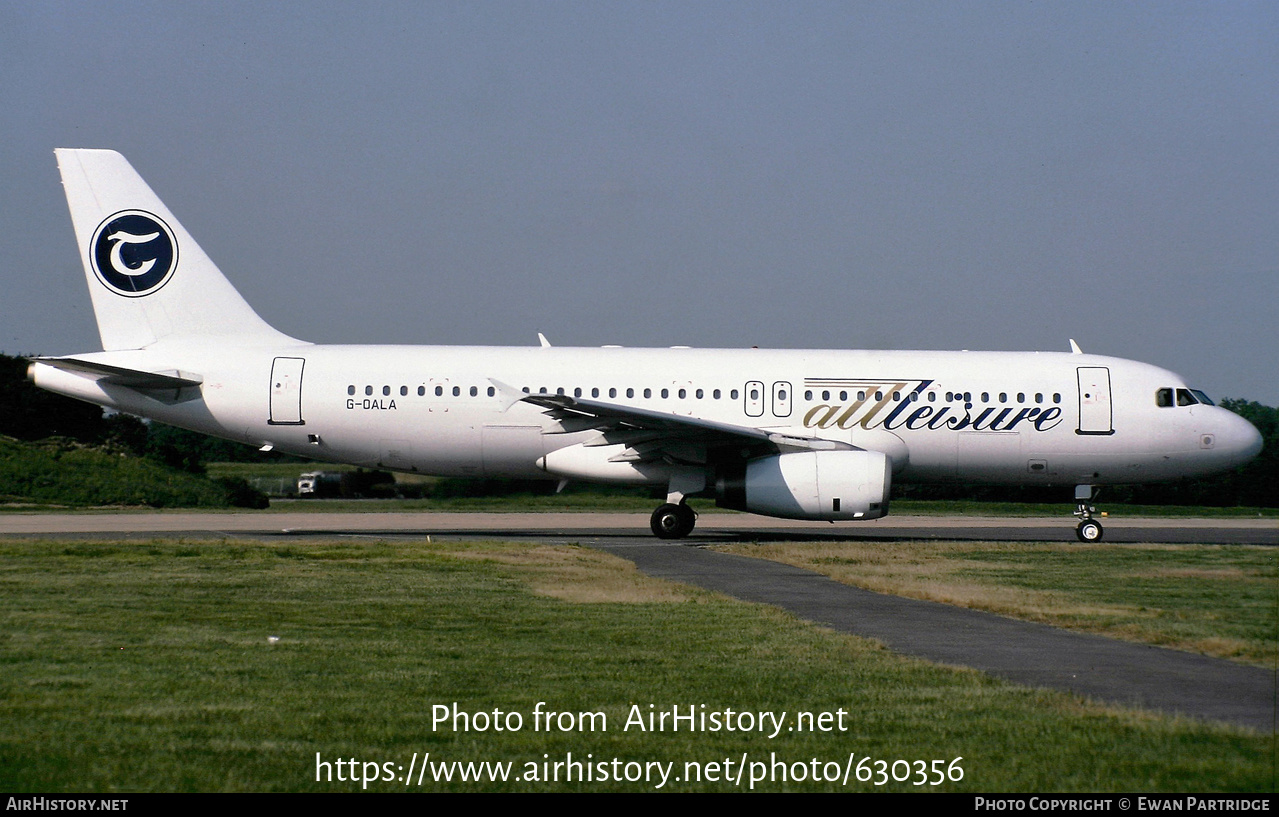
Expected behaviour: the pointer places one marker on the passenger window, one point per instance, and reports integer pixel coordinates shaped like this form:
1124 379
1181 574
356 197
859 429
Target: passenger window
648 393
732 395
612 392
843 395
457 391
439 391
666 393
1003 397
577 392
825 395
700 394
715 394
421 391
492 391
630 392
754 394
368 390
404 390
1039 397
682 394
350 389
1056 397
985 397
474 391
595 392
861 395
560 390
1021 397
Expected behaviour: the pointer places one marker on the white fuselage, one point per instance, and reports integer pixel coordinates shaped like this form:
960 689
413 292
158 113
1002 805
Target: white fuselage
1020 418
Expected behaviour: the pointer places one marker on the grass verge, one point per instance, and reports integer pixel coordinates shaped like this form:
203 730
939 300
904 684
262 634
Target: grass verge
148 666
1214 600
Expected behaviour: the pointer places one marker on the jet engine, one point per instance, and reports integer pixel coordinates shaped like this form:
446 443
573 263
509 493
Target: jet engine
809 485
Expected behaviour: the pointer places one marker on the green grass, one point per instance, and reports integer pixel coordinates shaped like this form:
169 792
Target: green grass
1215 600
249 470
512 503
131 666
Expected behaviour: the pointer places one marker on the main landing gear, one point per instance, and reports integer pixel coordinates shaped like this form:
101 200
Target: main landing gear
1089 529
673 521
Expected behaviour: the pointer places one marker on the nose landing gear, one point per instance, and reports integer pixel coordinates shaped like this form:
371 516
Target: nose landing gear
1089 529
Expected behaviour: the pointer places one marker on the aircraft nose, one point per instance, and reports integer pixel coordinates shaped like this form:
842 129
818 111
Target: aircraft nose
1239 438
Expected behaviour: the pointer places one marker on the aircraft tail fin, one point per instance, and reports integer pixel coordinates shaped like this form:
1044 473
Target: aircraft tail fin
147 277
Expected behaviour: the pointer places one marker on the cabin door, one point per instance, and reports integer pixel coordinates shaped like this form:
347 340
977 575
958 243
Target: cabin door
1095 414
286 391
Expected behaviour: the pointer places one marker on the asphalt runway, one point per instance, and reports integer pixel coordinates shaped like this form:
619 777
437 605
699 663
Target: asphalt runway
619 528
1024 653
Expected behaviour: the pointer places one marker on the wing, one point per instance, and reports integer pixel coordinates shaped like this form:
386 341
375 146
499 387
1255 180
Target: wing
678 439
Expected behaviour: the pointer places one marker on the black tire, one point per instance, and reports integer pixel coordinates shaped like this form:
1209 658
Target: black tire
1090 530
672 521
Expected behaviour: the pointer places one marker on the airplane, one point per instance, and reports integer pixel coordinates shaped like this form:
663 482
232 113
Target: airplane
798 434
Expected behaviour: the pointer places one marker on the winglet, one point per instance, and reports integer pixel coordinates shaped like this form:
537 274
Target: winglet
1074 348
546 344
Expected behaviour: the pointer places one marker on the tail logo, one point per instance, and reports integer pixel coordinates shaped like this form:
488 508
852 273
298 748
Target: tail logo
133 253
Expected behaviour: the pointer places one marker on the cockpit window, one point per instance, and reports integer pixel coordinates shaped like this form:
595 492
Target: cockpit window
1185 397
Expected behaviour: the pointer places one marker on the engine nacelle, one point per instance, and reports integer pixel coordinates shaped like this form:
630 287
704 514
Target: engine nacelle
824 485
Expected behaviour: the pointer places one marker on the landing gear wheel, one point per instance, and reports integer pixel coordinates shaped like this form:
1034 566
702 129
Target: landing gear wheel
1089 530
671 521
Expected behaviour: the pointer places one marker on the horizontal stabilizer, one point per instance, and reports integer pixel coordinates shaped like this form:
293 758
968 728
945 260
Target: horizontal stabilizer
129 378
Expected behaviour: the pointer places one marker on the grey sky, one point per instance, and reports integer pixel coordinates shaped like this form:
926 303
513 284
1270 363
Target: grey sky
848 175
